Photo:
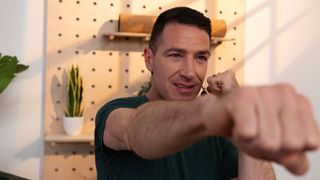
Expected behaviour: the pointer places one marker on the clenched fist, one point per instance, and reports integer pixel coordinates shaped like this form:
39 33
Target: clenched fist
222 82
269 122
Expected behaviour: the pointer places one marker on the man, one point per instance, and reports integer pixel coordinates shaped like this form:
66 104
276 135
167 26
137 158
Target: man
172 134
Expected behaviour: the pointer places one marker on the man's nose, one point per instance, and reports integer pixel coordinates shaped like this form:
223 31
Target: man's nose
188 69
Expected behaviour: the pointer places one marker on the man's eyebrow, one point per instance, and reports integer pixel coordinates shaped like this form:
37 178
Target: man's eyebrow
175 49
202 52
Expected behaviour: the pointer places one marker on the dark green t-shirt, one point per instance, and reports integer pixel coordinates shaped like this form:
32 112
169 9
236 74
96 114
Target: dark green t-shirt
212 158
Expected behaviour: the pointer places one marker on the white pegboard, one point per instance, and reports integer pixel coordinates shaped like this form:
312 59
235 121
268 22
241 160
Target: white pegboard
112 69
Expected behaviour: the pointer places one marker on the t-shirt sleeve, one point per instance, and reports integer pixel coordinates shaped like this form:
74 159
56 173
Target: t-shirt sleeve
230 160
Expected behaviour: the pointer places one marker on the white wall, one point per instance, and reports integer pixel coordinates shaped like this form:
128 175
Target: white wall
22 35
282 45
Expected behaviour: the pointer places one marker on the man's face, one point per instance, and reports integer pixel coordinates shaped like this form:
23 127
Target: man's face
180 63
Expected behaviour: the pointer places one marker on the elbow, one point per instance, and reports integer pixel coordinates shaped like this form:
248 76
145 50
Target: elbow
138 148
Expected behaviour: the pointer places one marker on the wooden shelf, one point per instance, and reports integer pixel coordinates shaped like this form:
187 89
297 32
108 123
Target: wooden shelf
146 37
63 138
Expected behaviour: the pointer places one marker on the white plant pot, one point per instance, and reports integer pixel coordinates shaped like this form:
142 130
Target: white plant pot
73 125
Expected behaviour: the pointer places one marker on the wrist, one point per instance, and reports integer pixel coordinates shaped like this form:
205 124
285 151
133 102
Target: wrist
214 116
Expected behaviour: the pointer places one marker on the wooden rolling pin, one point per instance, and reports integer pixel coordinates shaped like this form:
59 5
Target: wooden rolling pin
143 24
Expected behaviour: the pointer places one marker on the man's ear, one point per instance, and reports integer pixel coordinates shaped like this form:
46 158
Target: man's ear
148 59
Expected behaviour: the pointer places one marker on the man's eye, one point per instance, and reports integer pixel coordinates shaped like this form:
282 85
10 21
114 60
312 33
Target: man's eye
202 58
175 55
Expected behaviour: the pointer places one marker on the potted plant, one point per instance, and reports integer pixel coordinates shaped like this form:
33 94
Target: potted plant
73 120
9 67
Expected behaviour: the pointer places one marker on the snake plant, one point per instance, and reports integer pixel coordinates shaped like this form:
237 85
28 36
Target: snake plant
75 91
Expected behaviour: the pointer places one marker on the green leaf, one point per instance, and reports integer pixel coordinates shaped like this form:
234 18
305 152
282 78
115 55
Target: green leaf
21 67
8 66
4 82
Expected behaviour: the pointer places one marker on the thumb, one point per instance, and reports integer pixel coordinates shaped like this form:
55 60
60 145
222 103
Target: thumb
296 163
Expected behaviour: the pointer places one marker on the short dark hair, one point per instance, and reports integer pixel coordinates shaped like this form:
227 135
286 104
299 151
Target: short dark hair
182 15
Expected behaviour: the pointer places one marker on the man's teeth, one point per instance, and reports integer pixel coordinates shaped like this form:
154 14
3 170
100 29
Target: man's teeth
182 86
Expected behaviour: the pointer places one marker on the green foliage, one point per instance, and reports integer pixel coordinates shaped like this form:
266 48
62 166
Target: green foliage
144 88
75 91
9 67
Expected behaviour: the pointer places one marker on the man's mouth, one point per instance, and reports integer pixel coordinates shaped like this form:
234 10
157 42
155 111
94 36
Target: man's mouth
184 88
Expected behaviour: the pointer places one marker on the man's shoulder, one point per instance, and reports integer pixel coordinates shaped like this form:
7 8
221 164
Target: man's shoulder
124 102
127 102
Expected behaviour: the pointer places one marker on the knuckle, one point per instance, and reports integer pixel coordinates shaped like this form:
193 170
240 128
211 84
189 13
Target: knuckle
313 142
295 143
304 103
268 144
287 89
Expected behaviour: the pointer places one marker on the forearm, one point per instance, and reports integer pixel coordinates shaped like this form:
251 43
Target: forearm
250 168
162 128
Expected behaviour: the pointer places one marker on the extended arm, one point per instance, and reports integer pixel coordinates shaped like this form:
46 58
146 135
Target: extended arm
272 123
158 129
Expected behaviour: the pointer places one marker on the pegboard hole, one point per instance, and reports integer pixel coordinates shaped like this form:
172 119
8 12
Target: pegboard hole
77 35
60 17
92 119
77 19
56 153
78 2
111 4
160 8
219 58
92 102
235 28
90 152
56 169
58 102
74 169
94 3
110 70
57 118
93 69
59 51
59 34
90 168
59 68
234 59
220 12
110 87
93 86
93 53
94 20
111 20
128 5
76 52
74 152
126 86
60 1
94 36
110 53
235 13
206 11
58 85
234 43
126 70
142 71
144 6
127 54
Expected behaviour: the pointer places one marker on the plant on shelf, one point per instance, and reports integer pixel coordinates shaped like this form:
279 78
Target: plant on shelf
144 88
9 67
73 120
